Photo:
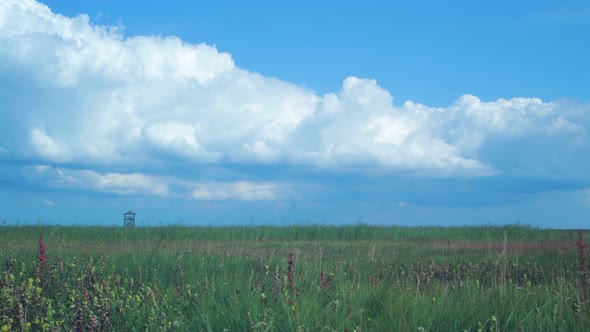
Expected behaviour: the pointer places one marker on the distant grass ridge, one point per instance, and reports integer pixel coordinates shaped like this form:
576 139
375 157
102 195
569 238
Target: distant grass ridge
290 233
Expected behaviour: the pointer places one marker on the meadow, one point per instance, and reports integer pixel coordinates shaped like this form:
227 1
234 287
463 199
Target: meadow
292 278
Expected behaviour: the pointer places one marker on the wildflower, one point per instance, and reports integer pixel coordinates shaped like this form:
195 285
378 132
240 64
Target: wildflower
276 280
493 323
291 272
577 308
10 264
42 251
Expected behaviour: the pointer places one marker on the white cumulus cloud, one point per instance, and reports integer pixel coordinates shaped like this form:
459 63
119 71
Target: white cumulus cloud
44 146
240 190
160 186
75 93
177 138
116 183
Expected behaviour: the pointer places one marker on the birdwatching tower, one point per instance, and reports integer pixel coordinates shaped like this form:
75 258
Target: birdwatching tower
129 219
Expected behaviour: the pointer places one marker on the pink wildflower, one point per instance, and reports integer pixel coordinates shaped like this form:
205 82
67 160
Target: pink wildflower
42 250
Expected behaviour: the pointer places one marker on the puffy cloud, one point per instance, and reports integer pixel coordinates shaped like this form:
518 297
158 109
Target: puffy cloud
90 94
44 146
128 184
361 126
162 186
75 50
75 93
177 139
240 190
116 183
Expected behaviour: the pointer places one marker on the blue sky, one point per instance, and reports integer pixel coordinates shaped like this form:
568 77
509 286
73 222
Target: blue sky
218 113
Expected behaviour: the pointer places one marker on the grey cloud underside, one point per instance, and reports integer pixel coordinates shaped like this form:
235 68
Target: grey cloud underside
116 113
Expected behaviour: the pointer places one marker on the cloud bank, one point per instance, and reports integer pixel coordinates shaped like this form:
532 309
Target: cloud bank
87 102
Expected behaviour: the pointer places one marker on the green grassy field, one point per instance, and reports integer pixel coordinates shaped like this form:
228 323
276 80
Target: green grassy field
312 278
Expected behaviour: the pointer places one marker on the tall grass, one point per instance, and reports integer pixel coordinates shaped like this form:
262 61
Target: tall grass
295 278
